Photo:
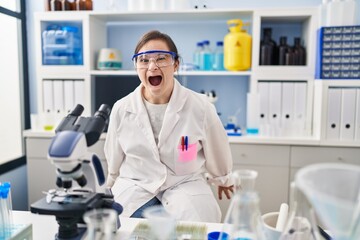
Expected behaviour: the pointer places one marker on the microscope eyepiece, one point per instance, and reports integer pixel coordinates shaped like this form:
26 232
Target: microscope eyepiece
103 112
77 111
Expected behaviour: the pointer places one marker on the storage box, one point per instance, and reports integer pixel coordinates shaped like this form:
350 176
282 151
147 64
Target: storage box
338 55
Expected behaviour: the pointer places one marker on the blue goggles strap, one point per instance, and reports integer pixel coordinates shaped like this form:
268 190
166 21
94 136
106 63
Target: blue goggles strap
153 51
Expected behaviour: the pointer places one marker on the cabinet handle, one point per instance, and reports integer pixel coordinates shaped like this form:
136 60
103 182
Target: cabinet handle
340 159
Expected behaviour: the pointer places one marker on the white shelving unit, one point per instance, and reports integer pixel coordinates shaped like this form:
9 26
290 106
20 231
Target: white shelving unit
276 158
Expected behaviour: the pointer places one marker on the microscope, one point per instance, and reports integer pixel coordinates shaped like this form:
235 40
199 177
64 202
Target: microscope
69 153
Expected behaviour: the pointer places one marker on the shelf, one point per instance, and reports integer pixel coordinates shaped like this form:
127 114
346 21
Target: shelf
181 73
186 15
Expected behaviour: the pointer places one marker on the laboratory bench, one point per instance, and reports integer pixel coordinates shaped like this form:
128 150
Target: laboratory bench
276 160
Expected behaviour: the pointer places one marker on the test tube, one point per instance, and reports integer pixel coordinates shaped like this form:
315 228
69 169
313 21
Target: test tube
3 216
8 202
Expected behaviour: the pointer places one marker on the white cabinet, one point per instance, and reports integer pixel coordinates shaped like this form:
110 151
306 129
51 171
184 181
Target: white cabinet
302 156
272 164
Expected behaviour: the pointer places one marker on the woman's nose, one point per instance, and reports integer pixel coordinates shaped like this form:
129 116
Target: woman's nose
152 64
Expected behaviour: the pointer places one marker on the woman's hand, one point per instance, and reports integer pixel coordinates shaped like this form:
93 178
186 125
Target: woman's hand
227 190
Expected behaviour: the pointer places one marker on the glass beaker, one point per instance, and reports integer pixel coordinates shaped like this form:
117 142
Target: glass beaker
243 218
161 222
301 224
101 224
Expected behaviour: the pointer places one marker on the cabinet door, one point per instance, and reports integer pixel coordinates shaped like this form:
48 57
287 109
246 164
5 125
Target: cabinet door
303 156
272 164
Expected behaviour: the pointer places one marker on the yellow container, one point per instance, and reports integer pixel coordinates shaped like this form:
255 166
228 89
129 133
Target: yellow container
237 47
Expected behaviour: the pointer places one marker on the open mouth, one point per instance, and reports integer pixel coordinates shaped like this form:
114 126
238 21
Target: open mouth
155 80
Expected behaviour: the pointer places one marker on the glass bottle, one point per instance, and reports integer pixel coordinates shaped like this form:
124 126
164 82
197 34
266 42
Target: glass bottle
197 55
283 49
101 224
301 224
243 219
268 49
299 52
68 5
206 57
56 5
82 5
218 59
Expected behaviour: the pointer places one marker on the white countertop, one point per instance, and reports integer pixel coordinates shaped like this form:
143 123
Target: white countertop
45 226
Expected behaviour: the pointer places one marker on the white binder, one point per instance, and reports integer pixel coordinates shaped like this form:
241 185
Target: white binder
357 118
263 90
300 101
58 96
333 114
348 108
274 107
79 92
69 103
48 96
287 107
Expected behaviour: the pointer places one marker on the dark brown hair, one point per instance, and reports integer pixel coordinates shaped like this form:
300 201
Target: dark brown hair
156 35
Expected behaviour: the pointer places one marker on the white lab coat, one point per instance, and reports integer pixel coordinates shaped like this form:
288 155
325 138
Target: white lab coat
140 169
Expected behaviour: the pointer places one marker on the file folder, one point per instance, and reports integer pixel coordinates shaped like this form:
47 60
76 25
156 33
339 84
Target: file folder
274 107
300 102
48 96
357 118
263 90
58 96
69 103
79 92
348 108
333 114
287 107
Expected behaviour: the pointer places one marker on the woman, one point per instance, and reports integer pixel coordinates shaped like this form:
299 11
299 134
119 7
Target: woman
163 138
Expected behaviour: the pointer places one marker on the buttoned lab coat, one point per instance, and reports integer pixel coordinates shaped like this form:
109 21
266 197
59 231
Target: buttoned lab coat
139 169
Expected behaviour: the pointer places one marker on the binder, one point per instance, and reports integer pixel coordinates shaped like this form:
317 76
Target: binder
79 92
300 101
69 102
333 114
274 107
287 107
58 96
348 108
48 96
357 118
263 90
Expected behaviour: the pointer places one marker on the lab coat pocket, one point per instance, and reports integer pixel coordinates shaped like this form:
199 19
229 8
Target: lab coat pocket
186 159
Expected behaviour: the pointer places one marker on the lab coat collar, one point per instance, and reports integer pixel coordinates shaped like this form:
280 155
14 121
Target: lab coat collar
176 103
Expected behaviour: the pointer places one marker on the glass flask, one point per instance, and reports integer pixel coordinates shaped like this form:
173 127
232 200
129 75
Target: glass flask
101 224
301 224
161 222
243 219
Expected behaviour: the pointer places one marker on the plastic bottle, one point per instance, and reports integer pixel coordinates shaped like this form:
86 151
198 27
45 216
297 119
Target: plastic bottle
283 49
218 57
299 52
206 57
237 47
196 55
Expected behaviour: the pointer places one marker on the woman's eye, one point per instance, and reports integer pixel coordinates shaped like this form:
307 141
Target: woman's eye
144 60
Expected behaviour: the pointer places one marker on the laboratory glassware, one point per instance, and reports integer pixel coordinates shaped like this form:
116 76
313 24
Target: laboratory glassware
337 206
243 219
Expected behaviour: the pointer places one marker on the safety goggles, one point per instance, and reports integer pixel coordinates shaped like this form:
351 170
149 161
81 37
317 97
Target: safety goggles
160 58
